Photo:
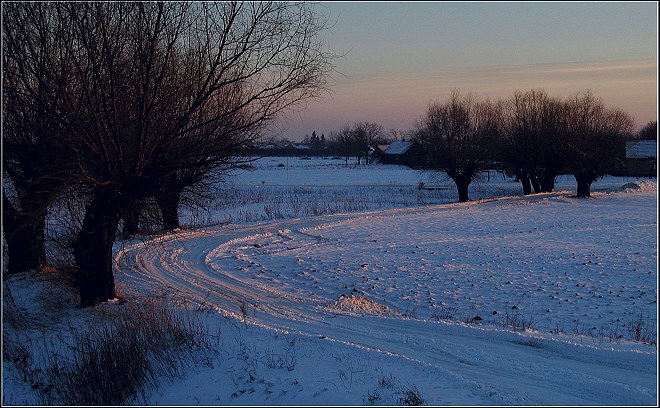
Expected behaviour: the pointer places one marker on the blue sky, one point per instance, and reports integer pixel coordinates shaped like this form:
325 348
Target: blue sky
399 56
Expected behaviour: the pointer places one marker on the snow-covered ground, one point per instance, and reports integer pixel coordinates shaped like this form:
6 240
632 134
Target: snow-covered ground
504 300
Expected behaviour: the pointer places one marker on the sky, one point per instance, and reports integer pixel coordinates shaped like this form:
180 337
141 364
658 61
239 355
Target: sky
397 57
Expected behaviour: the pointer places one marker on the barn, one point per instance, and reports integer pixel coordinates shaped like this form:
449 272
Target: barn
641 158
377 152
406 153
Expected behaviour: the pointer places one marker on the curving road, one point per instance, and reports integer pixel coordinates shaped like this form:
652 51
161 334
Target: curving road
489 361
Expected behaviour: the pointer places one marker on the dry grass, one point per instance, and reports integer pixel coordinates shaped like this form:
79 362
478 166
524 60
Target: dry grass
118 357
121 360
517 321
642 329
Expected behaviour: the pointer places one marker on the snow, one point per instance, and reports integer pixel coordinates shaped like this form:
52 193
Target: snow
641 149
364 307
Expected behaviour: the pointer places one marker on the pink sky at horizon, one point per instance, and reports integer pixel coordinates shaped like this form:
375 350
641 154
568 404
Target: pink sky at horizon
397 101
400 56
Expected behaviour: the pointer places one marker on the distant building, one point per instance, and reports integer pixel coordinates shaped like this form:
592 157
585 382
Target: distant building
377 152
406 153
641 158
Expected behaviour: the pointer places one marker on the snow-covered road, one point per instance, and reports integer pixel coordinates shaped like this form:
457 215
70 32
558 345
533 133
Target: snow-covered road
374 281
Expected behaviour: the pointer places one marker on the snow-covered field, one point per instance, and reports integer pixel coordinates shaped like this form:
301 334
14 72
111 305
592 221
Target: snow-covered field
504 300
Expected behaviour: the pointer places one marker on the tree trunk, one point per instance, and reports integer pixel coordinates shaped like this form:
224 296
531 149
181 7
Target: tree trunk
535 184
583 185
523 177
169 208
24 234
131 221
548 183
462 184
93 248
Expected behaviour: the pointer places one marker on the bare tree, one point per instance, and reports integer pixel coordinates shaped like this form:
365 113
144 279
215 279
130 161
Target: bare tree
35 160
459 136
344 141
158 96
649 131
594 138
360 144
367 135
531 139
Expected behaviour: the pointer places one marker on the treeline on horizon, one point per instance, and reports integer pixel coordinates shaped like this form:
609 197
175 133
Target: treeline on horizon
531 134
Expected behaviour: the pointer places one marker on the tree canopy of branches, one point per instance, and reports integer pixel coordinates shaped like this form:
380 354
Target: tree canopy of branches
649 131
357 140
594 138
459 135
343 142
155 97
531 139
38 165
365 136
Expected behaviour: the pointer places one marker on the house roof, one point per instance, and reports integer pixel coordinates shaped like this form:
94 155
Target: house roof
399 147
640 149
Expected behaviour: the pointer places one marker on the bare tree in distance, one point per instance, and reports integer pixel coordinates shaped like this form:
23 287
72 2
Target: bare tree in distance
360 145
157 97
372 134
649 131
594 138
531 139
344 141
459 135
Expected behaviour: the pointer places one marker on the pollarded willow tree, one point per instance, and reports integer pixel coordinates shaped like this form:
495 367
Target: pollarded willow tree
460 135
594 138
155 97
531 139
39 167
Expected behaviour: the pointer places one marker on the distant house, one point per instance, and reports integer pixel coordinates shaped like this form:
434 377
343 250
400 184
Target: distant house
377 152
641 158
407 153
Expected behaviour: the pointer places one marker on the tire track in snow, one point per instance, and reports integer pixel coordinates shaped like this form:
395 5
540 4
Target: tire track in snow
476 359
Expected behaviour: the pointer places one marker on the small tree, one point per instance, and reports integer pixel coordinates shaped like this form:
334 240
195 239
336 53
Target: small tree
373 134
360 144
594 138
459 135
344 141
